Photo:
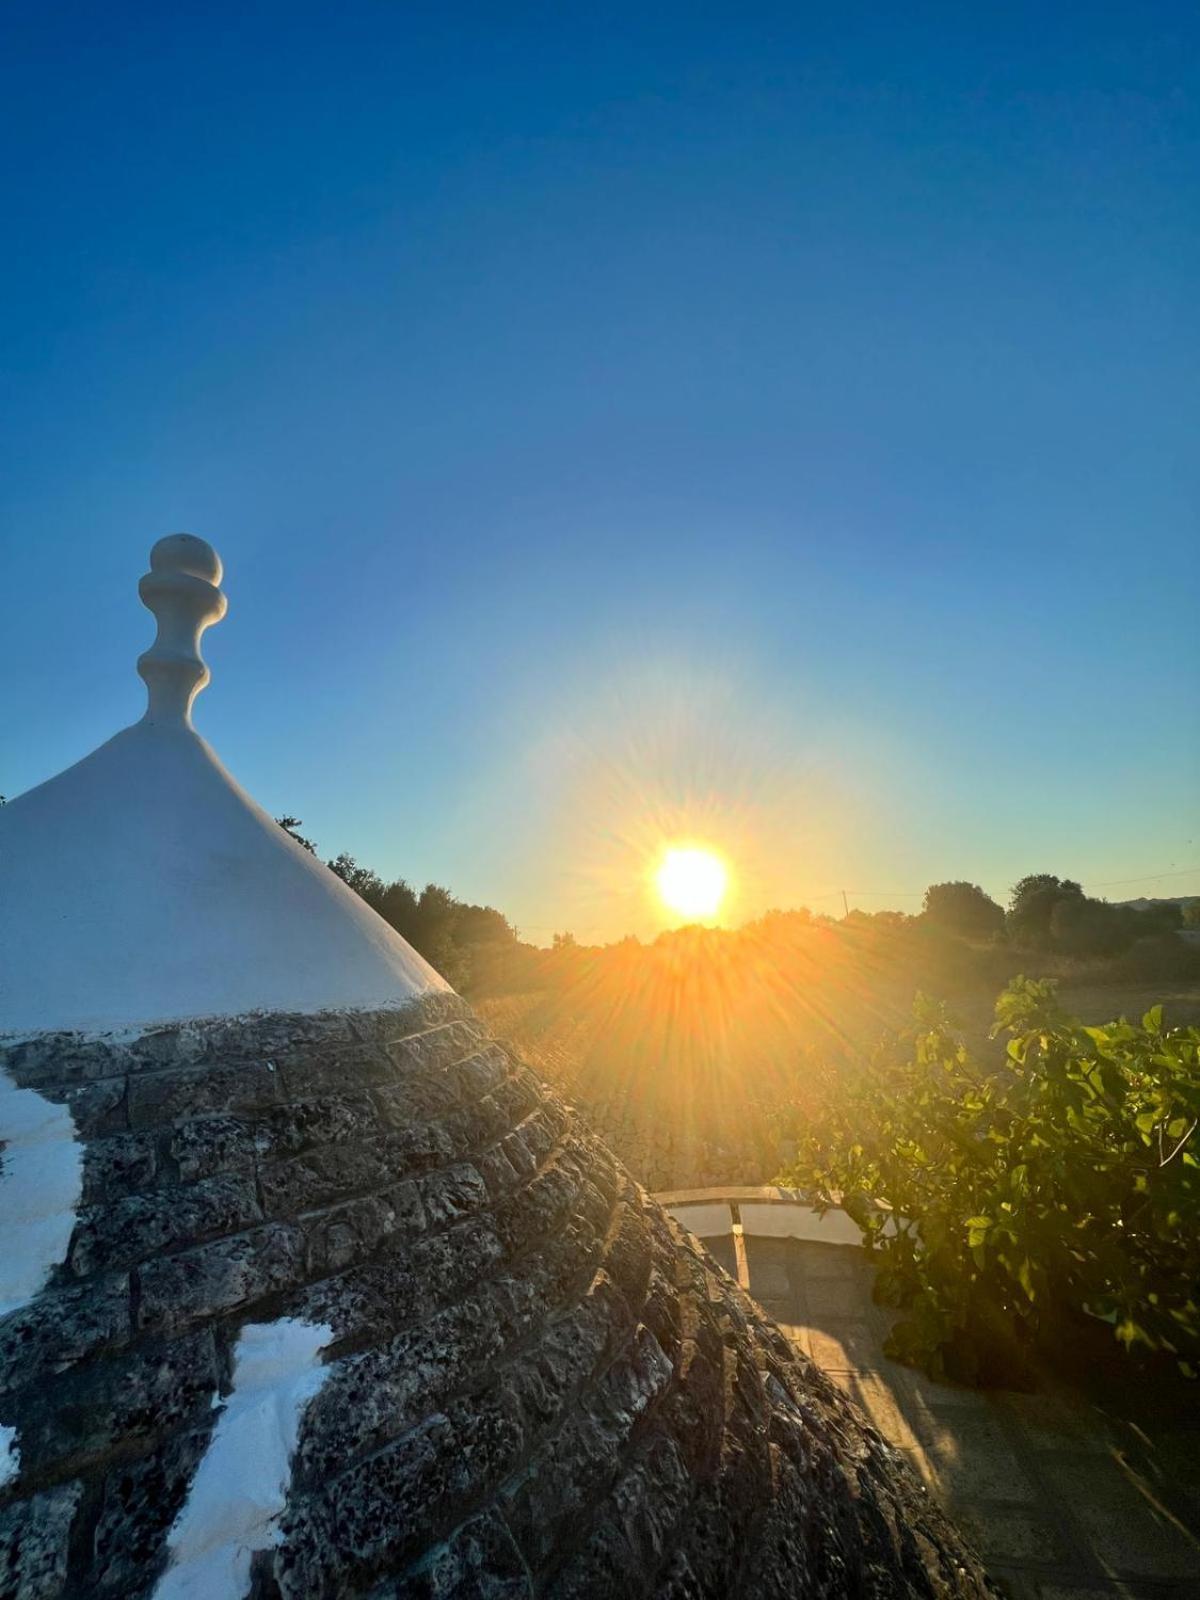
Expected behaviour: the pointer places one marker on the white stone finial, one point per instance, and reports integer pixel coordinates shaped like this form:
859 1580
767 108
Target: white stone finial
181 590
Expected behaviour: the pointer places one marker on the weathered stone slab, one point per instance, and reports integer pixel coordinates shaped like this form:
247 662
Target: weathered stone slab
62 1327
139 1504
122 1232
323 1175
34 1543
161 1096
202 1147
371 1517
480 1559
139 1395
348 1233
453 1193
120 1165
179 1290
436 1048
96 1107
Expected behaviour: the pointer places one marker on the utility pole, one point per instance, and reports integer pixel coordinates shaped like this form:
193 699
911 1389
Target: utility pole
845 904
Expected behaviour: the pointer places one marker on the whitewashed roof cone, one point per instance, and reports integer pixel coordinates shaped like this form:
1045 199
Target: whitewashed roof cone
143 884
311 1290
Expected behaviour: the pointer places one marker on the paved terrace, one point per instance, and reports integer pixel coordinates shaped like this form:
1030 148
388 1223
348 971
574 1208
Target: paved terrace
1064 1501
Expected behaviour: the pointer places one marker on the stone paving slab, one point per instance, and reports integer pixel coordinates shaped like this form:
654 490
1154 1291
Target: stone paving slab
1005 1533
1063 1502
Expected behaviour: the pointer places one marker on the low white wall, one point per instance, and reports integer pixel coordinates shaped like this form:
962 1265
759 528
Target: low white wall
765 1219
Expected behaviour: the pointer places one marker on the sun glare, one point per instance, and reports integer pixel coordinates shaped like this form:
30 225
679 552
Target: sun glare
692 882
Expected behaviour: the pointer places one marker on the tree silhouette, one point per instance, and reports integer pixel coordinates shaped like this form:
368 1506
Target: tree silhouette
963 908
292 825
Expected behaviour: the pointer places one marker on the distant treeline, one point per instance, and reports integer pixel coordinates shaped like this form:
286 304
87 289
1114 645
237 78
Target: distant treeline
1049 914
960 938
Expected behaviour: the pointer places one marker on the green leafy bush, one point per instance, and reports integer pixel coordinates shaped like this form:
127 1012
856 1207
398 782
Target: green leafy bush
1003 1202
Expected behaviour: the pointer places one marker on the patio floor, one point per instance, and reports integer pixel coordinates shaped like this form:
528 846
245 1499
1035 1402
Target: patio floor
1063 1500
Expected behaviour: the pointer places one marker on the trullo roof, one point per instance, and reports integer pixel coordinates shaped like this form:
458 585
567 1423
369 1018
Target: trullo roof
310 1290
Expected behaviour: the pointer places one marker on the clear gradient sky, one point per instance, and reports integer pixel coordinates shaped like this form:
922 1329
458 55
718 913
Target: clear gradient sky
776 424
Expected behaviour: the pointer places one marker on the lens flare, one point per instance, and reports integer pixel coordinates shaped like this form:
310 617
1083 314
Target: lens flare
692 881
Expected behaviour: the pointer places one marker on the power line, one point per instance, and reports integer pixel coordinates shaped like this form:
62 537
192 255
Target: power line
876 894
1147 877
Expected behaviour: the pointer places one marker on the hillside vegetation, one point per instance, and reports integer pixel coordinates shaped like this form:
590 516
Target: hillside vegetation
702 1054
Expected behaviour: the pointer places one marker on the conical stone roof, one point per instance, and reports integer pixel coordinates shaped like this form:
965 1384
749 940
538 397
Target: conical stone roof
310 1289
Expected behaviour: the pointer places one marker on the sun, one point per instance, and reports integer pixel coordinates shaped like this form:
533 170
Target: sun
691 881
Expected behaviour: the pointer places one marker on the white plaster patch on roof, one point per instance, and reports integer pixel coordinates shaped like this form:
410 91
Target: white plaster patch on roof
241 1484
144 885
41 1179
10 1460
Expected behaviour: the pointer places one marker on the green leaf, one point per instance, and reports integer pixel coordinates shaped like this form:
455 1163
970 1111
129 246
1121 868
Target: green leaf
977 1232
1130 1333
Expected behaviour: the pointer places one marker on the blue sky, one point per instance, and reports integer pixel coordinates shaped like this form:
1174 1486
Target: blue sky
775 425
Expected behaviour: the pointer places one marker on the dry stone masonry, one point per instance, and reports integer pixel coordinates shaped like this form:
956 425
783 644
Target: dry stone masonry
341 1300
532 1380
